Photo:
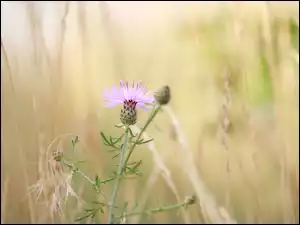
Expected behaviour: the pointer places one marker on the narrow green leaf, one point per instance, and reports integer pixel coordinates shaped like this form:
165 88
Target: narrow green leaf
104 138
132 163
81 161
74 141
98 203
134 207
139 141
145 142
118 139
97 181
88 210
125 206
131 133
116 155
137 164
138 173
112 150
119 125
83 217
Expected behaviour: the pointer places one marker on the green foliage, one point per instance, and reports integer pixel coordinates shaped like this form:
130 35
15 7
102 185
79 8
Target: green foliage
294 29
125 143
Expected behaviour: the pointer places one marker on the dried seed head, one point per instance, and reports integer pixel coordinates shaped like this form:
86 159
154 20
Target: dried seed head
128 113
57 155
54 184
190 200
163 95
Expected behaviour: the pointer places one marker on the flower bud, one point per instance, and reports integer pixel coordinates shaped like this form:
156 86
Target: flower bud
163 95
128 113
190 200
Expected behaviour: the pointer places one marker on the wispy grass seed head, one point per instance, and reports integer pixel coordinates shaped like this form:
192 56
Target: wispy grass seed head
54 184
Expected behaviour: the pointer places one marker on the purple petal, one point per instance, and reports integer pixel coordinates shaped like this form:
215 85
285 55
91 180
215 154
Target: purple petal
135 92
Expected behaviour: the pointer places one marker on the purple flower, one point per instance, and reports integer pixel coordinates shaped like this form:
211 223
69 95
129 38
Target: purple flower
136 95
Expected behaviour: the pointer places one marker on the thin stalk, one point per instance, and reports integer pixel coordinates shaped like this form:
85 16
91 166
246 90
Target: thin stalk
120 172
154 210
77 170
121 167
156 110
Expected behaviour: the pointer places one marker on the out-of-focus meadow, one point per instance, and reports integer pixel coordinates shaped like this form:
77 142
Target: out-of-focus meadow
233 71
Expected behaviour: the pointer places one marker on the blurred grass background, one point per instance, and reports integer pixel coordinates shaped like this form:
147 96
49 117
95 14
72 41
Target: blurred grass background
233 71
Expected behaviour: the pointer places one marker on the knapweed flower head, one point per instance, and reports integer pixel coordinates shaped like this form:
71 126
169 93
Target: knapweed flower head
131 97
136 93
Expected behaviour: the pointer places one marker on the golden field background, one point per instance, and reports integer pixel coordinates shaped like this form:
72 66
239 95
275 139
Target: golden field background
233 71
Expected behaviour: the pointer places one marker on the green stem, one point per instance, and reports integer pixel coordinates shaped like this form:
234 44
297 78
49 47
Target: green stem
154 210
76 170
121 167
120 172
156 110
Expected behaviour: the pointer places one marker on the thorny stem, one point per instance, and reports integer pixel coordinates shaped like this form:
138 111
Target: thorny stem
156 110
120 172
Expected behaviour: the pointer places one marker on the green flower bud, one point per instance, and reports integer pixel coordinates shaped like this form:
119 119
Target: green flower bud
128 113
163 95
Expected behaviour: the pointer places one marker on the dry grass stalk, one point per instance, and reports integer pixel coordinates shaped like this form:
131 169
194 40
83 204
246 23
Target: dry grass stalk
161 168
4 198
55 184
17 130
225 130
210 209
